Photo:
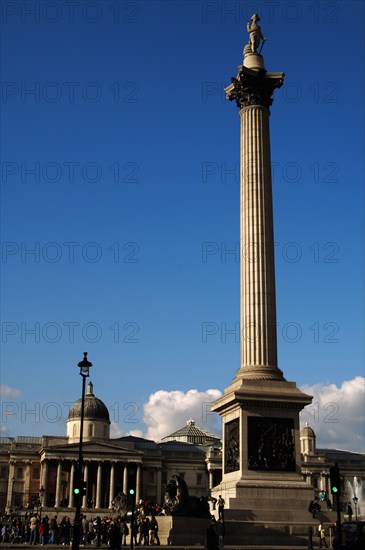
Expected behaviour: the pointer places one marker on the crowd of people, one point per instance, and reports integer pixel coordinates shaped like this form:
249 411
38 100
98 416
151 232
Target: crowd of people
33 530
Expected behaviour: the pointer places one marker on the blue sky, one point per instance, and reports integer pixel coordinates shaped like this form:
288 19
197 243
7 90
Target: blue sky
120 170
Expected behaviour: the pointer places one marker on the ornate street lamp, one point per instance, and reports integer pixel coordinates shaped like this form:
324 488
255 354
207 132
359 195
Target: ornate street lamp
84 367
41 497
356 500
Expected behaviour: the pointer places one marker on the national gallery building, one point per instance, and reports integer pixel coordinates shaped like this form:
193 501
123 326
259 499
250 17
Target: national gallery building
116 465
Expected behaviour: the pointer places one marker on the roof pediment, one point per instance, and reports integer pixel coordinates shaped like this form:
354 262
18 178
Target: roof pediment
90 448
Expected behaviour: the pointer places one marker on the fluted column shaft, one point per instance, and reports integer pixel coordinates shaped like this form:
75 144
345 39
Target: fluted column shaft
98 485
71 492
58 484
9 498
44 478
86 476
112 483
258 305
138 482
125 479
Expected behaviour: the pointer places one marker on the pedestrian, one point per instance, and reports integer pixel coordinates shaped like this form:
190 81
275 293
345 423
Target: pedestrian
153 531
221 507
221 531
97 525
43 532
53 527
212 535
134 531
33 524
349 511
322 536
310 538
314 507
114 536
124 531
143 530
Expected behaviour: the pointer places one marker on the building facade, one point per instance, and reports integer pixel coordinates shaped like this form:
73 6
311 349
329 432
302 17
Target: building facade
111 465
114 465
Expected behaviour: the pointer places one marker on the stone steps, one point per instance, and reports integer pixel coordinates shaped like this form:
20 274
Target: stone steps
184 531
281 514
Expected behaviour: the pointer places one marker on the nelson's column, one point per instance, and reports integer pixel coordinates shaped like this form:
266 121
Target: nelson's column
260 409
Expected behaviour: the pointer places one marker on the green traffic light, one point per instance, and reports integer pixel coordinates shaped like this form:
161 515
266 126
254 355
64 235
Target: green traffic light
131 491
334 490
76 491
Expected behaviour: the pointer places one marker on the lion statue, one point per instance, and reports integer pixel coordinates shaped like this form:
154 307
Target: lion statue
178 502
120 506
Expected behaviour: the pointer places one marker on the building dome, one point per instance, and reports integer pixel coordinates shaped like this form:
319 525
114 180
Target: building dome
94 408
96 419
307 431
193 434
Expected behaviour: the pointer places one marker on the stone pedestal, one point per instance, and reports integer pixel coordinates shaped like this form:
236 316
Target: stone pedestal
261 448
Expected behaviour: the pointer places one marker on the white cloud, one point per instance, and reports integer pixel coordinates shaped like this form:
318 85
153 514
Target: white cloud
115 430
7 391
167 411
337 414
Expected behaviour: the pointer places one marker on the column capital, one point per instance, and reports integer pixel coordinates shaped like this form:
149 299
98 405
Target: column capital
253 87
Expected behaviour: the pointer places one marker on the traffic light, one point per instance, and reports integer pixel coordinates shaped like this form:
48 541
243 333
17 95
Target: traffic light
77 493
335 480
79 487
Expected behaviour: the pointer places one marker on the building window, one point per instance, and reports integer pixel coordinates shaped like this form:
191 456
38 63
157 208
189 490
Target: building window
151 477
199 479
74 430
90 430
105 431
3 473
315 482
18 498
19 473
35 473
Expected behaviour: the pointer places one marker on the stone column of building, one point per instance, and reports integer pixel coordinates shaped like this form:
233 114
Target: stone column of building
112 484
71 492
58 485
9 496
98 485
210 474
323 481
44 479
159 486
26 494
86 475
125 478
138 482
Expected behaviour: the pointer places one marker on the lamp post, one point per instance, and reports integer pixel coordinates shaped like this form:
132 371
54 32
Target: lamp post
132 494
356 500
84 366
41 496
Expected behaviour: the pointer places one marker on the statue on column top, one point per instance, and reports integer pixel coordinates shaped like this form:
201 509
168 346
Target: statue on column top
255 36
